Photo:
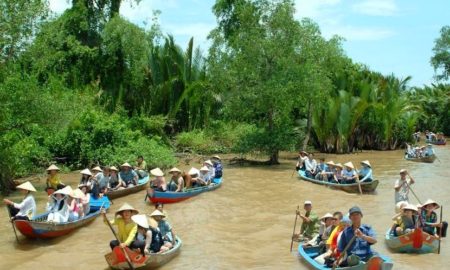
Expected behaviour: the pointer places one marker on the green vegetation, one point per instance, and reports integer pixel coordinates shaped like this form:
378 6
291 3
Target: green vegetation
90 87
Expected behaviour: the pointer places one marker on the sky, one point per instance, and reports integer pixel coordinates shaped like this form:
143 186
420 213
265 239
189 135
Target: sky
389 36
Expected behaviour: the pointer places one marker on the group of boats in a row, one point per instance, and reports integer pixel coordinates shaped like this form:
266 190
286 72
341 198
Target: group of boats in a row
39 227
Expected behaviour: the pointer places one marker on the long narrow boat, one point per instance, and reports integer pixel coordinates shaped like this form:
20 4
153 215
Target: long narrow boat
173 197
142 183
38 227
116 259
427 159
437 142
417 241
376 262
352 188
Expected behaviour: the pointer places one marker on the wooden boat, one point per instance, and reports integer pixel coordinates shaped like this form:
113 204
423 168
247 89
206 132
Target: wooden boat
142 183
437 142
376 262
116 259
427 159
414 242
173 197
352 188
38 227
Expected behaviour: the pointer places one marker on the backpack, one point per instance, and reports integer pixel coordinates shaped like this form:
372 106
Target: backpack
157 240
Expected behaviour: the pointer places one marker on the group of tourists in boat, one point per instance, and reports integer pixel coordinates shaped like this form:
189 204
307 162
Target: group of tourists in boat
333 172
419 151
181 181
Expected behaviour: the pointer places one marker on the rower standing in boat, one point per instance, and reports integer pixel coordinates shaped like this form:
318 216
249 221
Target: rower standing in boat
301 161
126 227
360 249
310 226
218 168
27 208
365 173
402 186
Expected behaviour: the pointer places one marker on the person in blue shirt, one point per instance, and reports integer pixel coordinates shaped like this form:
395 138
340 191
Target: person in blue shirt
365 173
321 167
217 164
361 236
128 175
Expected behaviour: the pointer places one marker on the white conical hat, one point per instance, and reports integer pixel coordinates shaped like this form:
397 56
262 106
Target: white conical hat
209 162
216 157
174 169
350 165
77 194
26 186
126 164
430 201
86 171
53 168
157 213
204 168
331 163
366 162
327 215
410 207
126 206
96 168
193 171
157 172
113 168
339 165
67 190
140 220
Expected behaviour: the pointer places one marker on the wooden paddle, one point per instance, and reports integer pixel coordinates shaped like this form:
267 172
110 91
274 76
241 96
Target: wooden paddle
117 238
295 225
14 226
412 191
359 184
440 232
344 251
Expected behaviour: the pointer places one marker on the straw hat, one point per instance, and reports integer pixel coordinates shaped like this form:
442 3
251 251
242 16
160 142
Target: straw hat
113 168
96 169
157 213
26 186
349 165
86 172
339 165
67 190
126 206
331 163
53 168
327 215
304 152
208 162
216 157
157 172
410 207
402 170
307 202
366 162
204 168
174 169
193 171
430 201
126 164
400 205
140 220
77 194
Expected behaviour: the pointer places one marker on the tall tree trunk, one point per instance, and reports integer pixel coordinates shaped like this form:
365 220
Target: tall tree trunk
274 152
308 125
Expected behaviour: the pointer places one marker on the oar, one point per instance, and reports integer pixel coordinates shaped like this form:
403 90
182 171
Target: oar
344 251
295 225
440 232
293 172
412 191
14 226
359 184
117 238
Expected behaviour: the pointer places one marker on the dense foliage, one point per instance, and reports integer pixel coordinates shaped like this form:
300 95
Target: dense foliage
89 87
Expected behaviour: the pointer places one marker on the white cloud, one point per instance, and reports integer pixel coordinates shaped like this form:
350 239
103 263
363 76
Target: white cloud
376 7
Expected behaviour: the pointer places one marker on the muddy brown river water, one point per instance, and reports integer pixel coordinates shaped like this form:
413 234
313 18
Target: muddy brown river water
247 223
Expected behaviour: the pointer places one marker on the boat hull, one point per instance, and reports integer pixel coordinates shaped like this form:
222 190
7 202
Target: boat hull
428 159
309 253
173 197
142 184
351 188
444 142
116 259
414 242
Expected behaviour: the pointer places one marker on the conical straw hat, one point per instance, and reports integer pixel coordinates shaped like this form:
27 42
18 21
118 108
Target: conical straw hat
157 213
126 206
53 168
430 201
113 168
157 172
410 207
67 190
366 162
126 164
77 194
327 215
174 169
339 165
209 162
204 168
331 163
350 165
216 157
193 171
86 171
26 186
140 220
96 168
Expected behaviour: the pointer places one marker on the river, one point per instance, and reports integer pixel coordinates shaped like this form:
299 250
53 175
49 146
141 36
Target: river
248 222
